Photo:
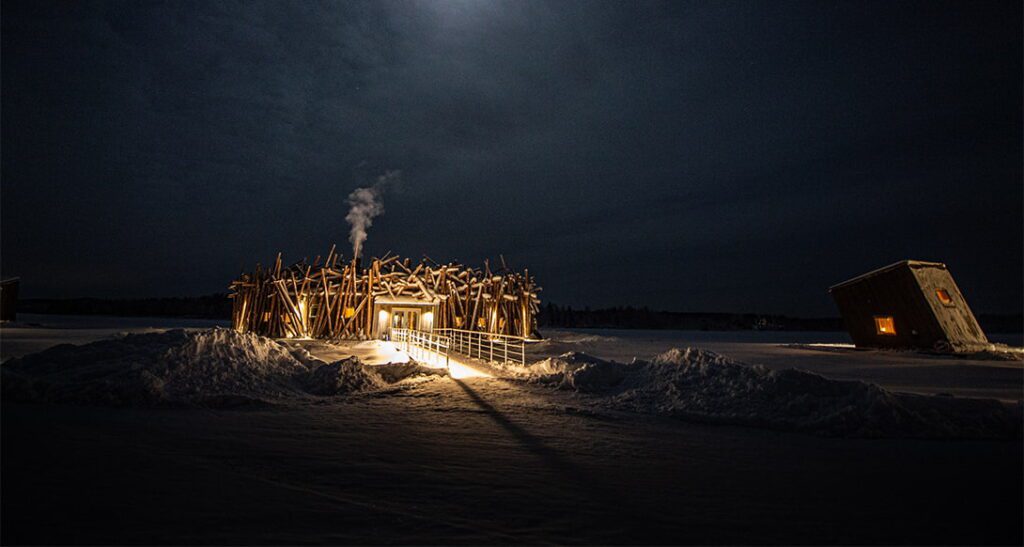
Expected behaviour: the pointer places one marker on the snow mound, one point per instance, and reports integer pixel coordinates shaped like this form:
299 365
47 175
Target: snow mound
703 386
580 338
557 341
212 368
396 372
572 370
341 377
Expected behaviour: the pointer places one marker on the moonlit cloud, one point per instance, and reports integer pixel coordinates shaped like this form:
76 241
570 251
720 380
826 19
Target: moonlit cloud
692 156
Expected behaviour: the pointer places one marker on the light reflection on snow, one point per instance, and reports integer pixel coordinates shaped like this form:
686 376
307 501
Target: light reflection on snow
457 369
383 352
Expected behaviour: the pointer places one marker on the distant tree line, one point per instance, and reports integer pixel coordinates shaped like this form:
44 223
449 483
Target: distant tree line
629 317
213 306
218 306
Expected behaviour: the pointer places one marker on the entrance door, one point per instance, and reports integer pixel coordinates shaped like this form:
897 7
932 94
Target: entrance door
405 318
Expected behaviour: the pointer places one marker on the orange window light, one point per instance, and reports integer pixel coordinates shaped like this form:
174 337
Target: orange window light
944 297
885 325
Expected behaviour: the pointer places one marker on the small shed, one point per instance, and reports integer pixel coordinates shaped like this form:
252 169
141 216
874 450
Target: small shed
909 304
9 299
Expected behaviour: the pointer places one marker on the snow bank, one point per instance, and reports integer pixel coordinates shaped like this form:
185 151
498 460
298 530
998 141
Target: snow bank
557 342
217 367
578 338
703 386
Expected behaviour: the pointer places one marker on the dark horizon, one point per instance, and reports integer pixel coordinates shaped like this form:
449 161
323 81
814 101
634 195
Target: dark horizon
552 314
702 156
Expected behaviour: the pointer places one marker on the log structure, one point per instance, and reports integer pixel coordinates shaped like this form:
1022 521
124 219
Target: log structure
344 299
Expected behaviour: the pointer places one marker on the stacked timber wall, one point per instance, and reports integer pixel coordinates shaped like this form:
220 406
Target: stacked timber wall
334 299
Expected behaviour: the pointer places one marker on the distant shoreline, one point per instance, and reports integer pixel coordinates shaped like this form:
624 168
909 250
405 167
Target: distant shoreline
218 306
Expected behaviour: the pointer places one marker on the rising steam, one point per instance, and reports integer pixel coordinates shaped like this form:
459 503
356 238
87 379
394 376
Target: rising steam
364 205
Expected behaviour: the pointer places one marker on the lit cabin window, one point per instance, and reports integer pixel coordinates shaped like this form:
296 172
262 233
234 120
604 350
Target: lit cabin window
885 325
944 297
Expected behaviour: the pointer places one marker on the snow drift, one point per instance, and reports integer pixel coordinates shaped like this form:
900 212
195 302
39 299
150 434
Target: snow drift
214 368
703 386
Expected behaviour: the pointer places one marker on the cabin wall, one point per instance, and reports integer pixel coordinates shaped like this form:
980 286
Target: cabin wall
895 293
336 299
956 319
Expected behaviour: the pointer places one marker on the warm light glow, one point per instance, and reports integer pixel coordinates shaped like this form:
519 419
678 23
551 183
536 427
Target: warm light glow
241 323
944 297
885 325
459 370
382 315
349 312
302 318
481 322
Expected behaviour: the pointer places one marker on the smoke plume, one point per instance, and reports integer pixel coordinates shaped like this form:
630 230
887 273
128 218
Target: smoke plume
365 205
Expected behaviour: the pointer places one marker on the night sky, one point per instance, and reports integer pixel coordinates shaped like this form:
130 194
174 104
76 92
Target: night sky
693 156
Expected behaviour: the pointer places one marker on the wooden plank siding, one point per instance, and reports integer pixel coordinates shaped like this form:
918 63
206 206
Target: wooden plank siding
906 291
956 319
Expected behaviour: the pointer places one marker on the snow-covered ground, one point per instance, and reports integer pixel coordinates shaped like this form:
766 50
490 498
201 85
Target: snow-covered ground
825 353
570 449
36 332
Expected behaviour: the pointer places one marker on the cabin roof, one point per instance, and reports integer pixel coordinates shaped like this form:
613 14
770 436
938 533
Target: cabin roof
889 268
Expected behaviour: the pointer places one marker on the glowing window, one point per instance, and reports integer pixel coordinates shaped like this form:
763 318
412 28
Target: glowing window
885 325
944 297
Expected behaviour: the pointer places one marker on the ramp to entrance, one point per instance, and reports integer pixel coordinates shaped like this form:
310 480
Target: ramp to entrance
434 349
423 346
494 348
442 343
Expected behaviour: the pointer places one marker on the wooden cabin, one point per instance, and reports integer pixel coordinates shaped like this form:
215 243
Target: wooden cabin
909 304
339 299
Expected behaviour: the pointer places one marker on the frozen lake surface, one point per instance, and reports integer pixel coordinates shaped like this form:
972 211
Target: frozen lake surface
494 460
826 353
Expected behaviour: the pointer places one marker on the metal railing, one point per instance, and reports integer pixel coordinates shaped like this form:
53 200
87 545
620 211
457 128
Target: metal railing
483 345
419 345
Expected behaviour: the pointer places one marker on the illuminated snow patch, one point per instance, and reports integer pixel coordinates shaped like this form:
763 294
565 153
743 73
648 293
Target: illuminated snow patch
211 368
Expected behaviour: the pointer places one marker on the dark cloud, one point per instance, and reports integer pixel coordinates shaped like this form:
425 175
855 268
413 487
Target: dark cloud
697 156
